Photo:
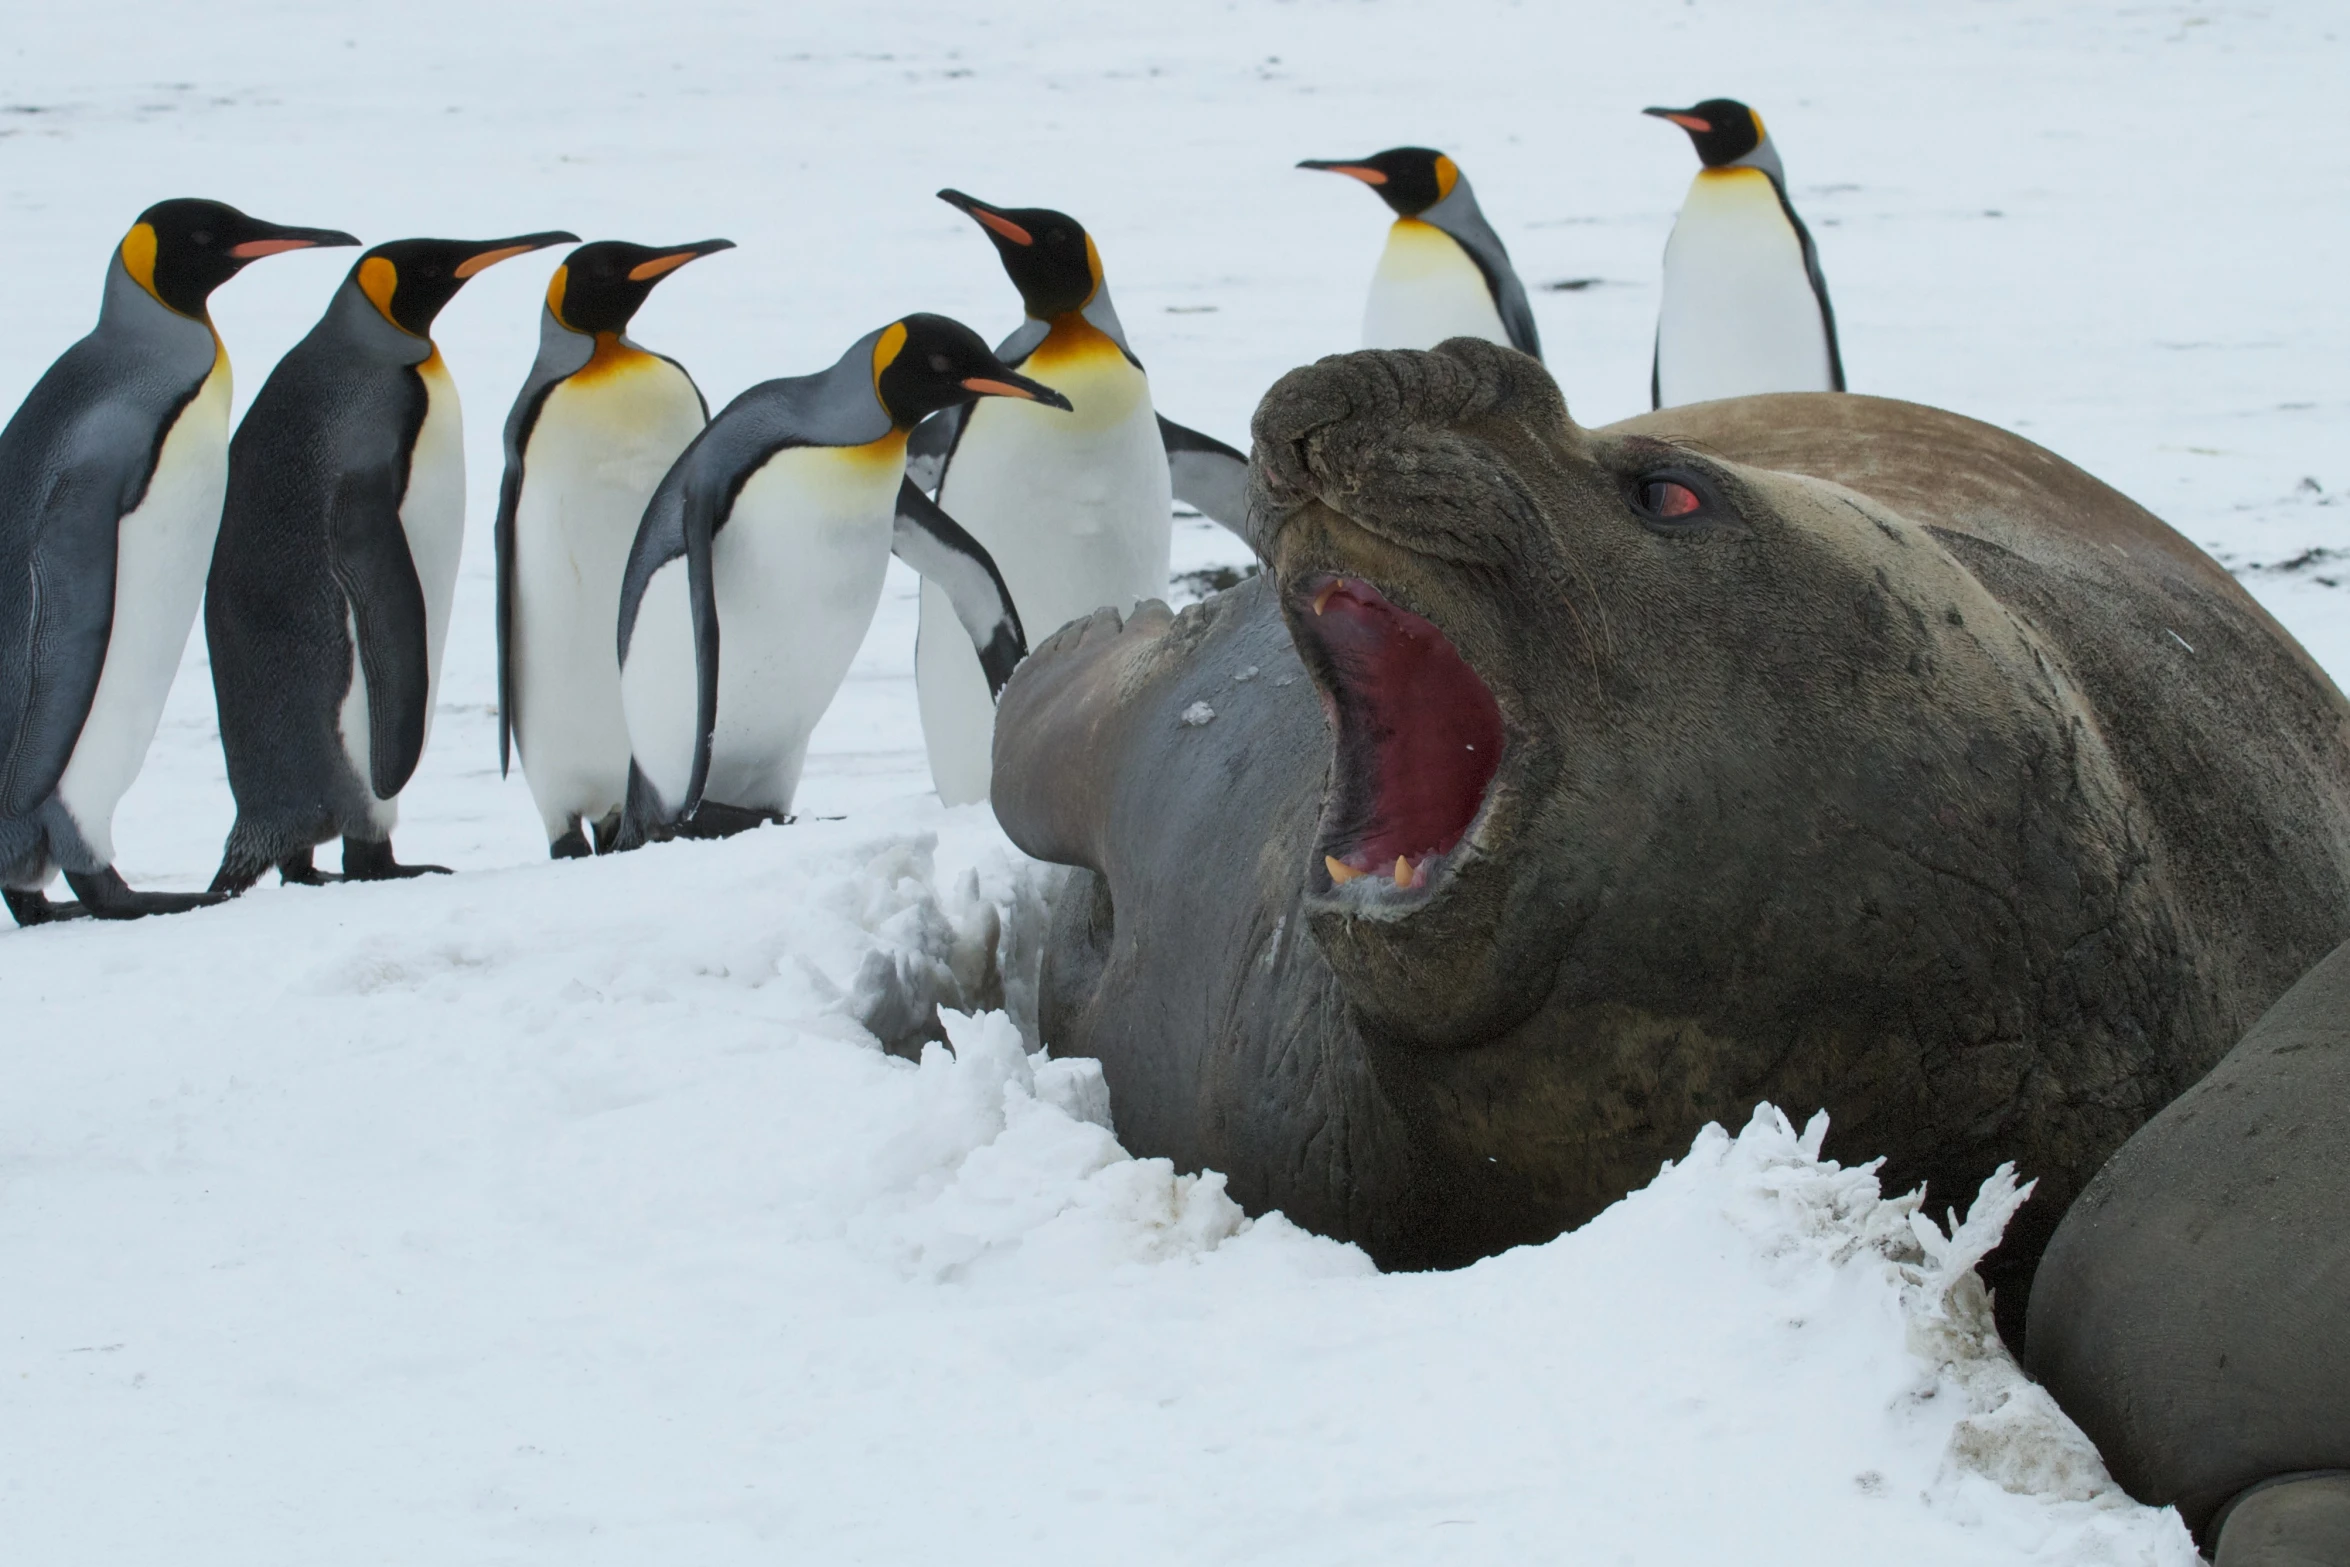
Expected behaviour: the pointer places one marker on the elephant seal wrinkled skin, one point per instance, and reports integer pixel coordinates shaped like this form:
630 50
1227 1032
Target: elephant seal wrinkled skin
2193 1311
1820 749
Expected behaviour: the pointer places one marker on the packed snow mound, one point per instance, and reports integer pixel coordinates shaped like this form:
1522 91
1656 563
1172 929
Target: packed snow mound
579 1213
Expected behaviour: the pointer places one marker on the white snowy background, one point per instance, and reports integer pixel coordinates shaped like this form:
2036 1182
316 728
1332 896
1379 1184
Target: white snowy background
569 1213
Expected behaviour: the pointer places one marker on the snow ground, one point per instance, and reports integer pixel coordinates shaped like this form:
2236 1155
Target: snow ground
568 1213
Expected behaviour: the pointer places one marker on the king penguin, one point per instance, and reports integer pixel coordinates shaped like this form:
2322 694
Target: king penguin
1444 272
1075 509
767 543
110 493
1745 308
597 425
328 602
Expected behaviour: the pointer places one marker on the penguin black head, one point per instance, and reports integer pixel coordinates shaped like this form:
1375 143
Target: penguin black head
1409 179
181 250
923 363
1048 255
409 280
599 287
1724 129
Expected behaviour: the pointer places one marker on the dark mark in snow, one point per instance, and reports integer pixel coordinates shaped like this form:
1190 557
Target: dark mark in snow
1573 285
1193 310
1213 579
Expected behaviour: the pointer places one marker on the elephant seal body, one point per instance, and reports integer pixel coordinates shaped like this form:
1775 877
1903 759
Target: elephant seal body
1851 754
2193 1311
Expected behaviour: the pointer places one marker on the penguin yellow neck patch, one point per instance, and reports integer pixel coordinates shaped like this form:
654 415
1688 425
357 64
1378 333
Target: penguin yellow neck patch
555 287
1448 174
611 358
138 258
1072 339
886 349
379 280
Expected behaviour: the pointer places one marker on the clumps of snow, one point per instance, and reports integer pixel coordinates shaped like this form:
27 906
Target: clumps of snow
904 947
2003 1428
1197 715
1012 1151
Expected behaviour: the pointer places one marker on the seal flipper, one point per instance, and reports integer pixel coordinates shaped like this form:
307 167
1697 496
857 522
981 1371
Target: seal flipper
367 551
934 544
2291 1521
1209 477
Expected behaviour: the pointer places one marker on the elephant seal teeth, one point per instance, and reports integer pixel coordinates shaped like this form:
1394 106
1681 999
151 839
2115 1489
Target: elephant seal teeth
1340 872
1403 872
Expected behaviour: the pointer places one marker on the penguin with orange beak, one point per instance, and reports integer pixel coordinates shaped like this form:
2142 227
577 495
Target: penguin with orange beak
1075 509
1745 306
598 423
328 603
111 476
1444 272
759 562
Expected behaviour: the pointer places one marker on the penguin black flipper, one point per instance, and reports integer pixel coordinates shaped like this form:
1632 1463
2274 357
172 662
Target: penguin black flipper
934 544
1466 224
1819 288
931 444
367 551
56 616
1209 477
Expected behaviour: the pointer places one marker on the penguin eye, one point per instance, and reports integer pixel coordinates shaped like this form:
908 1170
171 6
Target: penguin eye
200 237
942 364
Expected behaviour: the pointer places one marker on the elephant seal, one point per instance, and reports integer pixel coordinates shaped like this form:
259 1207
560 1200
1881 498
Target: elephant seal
1559 791
2192 1312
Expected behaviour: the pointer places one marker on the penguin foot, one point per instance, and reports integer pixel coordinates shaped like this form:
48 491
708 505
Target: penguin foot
34 908
364 861
301 870
608 833
714 820
107 896
573 845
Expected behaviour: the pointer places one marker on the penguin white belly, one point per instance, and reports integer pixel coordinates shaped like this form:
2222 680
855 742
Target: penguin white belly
1739 314
1427 289
1078 511
797 571
603 441
432 514
162 551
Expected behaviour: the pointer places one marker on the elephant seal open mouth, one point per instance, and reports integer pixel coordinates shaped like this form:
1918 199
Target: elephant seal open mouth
1416 740
1557 791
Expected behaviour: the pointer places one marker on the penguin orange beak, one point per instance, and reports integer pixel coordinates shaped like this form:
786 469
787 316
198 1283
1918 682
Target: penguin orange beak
498 250
662 266
1015 385
1355 171
987 217
1682 118
275 239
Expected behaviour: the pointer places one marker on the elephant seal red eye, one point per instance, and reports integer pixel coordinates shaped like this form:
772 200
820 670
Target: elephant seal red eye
1668 498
